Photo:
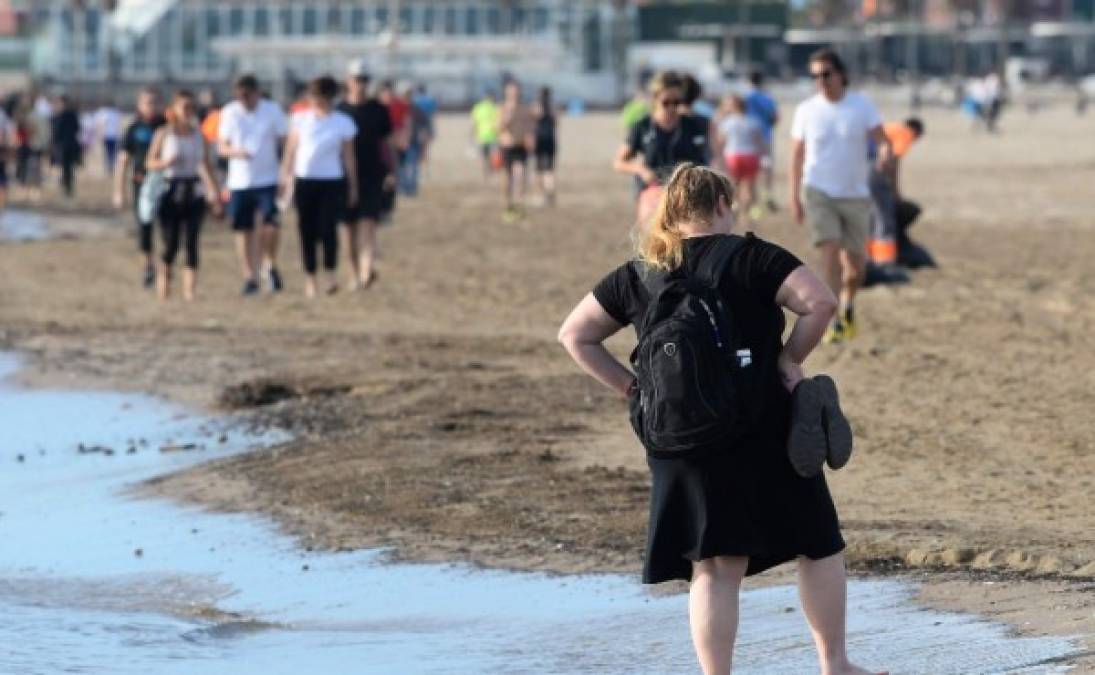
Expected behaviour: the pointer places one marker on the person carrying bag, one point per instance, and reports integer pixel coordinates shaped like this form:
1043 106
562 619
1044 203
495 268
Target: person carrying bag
735 434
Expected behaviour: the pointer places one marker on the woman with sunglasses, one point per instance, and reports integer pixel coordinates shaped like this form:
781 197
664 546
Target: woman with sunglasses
178 149
661 141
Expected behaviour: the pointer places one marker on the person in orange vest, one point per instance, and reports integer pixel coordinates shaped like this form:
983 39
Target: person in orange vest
882 246
210 126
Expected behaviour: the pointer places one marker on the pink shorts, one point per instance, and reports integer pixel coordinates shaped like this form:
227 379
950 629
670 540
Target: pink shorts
743 167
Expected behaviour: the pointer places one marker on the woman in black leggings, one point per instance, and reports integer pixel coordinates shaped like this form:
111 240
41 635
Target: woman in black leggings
179 151
319 162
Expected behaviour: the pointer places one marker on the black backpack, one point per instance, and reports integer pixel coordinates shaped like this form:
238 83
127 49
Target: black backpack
696 384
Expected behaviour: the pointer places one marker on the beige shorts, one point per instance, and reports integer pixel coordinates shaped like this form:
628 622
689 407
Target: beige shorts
844 220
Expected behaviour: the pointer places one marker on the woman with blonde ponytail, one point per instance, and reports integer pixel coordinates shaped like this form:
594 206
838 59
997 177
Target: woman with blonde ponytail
741 506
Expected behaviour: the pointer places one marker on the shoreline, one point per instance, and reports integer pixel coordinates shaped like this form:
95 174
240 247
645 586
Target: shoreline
1030 604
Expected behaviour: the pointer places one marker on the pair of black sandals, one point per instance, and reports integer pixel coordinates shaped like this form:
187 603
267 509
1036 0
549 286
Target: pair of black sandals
820 434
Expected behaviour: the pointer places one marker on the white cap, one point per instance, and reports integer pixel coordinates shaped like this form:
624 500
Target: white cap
356 68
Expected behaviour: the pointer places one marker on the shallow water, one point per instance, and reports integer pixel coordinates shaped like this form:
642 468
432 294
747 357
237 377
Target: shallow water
19 225
215 593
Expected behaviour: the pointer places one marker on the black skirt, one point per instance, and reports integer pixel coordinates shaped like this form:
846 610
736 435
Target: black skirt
747 501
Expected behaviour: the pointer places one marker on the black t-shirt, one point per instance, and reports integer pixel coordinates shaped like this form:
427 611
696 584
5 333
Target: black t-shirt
749 284
663 150
545 129
66 132
137 140
374 125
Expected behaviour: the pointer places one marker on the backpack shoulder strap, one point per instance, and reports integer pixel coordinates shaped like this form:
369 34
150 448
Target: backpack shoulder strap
714 263
654 280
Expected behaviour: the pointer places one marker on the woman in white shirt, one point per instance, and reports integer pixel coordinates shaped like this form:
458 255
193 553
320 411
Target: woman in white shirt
319 163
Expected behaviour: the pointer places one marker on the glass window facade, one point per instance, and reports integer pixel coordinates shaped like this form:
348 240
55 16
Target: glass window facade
181 44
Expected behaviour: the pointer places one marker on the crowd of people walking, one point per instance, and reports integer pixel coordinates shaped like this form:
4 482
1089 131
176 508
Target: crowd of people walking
339 155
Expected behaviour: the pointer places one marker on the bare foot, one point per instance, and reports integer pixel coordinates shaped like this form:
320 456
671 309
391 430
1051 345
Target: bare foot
310 289
163 284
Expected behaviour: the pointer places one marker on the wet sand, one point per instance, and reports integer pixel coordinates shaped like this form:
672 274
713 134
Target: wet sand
436 414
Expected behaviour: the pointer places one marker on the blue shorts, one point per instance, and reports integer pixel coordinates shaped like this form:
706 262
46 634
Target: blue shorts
242 205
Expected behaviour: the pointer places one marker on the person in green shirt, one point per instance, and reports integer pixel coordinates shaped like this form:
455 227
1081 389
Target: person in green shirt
634 110
485 116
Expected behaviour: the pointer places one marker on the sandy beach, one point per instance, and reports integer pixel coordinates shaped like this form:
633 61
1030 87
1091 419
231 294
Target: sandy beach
437 415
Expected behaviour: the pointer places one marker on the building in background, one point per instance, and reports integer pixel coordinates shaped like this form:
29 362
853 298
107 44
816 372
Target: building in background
896 39
595 50
457 48
716 39
15 46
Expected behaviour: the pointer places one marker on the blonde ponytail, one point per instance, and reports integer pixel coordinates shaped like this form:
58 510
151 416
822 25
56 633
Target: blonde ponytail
691 196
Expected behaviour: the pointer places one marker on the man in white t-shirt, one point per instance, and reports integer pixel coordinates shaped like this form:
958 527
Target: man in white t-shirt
829 171
108 128
250 132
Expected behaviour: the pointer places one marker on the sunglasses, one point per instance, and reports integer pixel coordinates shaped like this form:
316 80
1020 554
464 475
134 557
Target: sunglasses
821 75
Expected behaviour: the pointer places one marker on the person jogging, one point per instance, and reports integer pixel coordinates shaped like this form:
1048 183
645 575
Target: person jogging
734 504
661 140
179 150
761 106
131 164
741 138
484 129
546 145
515 138
319 163
374 176
249 134
829 169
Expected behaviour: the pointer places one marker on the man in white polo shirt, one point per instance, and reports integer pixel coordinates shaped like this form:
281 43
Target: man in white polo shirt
829 171
251 131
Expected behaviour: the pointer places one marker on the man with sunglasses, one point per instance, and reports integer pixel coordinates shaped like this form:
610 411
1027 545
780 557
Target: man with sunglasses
250 132
829 180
